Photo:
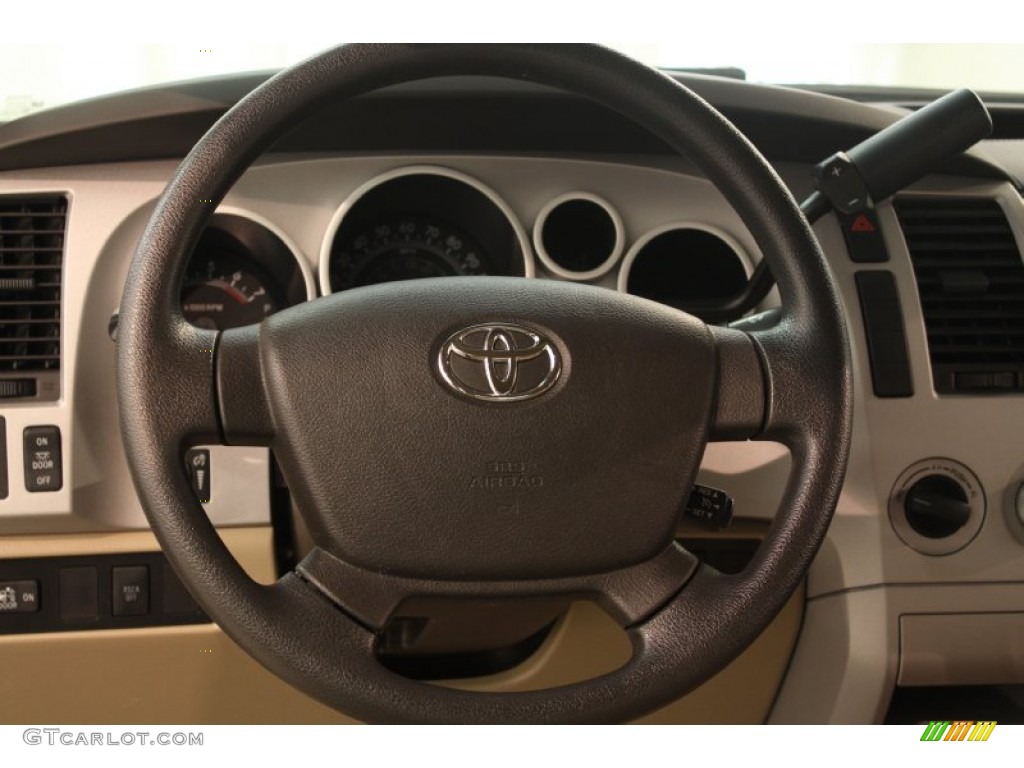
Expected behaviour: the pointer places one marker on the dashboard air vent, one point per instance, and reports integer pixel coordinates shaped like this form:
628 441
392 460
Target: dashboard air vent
32 232
970 278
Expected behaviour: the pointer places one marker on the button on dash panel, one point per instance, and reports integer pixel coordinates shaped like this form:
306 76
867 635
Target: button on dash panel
44 470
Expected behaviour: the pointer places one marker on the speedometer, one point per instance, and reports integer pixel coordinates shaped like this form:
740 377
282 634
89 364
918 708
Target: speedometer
406 248
421 221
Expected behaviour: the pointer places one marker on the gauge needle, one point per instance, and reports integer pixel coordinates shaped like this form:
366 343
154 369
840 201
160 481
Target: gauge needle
230 290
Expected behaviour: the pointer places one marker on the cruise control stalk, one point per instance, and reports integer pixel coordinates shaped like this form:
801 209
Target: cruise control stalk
854 181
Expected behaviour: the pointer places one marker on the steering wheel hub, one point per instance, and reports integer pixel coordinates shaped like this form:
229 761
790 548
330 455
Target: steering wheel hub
406 476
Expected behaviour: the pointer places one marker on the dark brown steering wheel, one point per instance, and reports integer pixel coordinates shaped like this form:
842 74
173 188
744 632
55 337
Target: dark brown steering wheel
354 393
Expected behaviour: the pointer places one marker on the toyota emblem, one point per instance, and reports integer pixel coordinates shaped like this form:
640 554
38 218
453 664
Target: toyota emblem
499 363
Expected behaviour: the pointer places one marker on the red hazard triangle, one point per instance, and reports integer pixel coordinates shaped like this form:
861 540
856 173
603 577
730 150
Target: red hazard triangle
862 224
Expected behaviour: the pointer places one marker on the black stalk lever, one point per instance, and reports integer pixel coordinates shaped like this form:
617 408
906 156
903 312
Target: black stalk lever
872 171
899 155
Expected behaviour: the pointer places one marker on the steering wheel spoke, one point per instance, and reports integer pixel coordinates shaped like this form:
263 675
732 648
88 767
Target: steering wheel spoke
805 372
181 357
629 595
742 387
767 383
241 398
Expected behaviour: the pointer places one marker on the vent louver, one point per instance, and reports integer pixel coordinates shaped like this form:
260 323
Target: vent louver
32 230
970 278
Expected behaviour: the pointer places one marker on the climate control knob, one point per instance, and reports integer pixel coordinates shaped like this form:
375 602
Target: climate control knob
937 506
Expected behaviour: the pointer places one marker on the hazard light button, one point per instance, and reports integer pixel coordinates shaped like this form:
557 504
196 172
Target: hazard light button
864 237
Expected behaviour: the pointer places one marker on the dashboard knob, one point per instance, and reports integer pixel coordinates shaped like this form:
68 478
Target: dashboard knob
937 506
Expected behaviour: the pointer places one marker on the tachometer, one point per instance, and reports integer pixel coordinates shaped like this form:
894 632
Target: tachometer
406 248
241 271
221 291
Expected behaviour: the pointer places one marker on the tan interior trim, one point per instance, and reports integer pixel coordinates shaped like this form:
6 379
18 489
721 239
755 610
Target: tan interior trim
196 674
252 547
588 643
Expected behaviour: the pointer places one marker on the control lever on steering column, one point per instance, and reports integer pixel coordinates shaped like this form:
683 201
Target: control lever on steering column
896 157
854 181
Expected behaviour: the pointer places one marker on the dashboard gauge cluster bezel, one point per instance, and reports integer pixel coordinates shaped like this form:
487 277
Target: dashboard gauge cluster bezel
272 257
395 196
725 241
412 192
553 262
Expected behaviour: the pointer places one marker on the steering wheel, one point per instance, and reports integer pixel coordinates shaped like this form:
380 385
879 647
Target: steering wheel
391 409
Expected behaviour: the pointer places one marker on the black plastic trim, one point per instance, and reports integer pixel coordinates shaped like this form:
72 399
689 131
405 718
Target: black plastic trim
4 485
885 334
460 666
169 602
447 114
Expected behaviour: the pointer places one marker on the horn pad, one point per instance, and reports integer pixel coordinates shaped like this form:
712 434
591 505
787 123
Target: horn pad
489 428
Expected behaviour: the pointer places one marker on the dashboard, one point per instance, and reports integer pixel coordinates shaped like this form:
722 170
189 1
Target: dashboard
895 601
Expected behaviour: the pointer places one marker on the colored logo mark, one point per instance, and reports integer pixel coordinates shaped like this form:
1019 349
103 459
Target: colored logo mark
958 730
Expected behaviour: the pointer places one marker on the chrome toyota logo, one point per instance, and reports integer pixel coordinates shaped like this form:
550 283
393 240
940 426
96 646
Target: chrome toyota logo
499 363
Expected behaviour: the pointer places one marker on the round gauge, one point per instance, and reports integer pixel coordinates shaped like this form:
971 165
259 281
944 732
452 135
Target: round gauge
421 221
241 271
222 291
406 248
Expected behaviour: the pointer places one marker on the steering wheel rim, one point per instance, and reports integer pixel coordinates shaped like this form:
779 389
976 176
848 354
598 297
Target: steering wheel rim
315 628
